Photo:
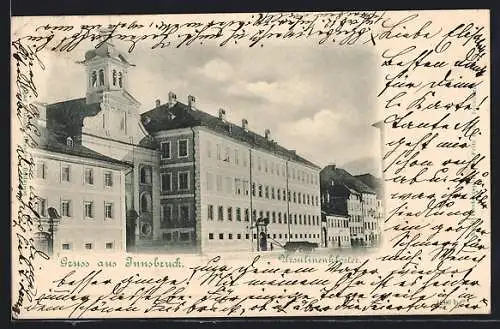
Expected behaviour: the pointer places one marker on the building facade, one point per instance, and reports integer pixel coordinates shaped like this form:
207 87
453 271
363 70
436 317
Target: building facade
346 195
224 185
196 181
86 189
337 231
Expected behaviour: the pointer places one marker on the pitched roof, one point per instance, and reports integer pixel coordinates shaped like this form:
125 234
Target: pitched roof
341 176
52 141
69 115
179 115
373 182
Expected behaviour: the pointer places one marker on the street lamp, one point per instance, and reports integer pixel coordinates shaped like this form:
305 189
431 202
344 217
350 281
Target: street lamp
54 218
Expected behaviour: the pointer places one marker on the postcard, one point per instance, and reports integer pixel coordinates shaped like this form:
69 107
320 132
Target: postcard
251 165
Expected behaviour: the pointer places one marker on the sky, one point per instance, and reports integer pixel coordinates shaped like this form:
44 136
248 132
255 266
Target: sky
317 100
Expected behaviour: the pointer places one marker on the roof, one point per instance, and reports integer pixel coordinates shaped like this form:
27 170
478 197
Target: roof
52 141
106 50
68 115
341 176
179 115
334 212
373 182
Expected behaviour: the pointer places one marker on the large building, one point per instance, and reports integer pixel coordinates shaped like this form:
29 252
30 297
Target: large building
87 190
346 195
220 181
196 181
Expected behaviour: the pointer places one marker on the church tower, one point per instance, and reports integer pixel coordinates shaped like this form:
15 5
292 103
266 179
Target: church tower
107 85
107 70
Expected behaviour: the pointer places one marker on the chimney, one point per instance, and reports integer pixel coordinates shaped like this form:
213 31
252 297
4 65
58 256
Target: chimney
267 134
191 101
172 98
158 103
222 114
244 124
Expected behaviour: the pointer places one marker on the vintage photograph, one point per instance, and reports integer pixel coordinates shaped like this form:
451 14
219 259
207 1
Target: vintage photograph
251 165
209 149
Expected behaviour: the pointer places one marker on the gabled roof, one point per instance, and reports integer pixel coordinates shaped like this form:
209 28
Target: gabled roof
179 115
341 176
373 182
52 141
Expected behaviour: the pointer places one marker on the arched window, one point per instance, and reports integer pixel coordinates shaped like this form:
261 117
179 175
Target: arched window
114 77
93 80
101 77
120 80
69 142
145 202
146 175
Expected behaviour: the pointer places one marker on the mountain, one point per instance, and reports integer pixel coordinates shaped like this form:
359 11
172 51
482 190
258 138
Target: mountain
365 165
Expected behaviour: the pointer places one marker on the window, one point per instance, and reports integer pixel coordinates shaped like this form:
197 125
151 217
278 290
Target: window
230 236
65 208
69 142
284 219
109 245
247 215
114 77
120 79
40 170
93 79
65 174
166 182
42 207
272 193
101 77
184 214
166 215
146 175
182 148
247 236
267 192
299 198
89 209
238 214
260 190
108 179
88 246
108 210
237 186
236 157
229 213
184 236
145 202
218 183
221 236
274 217
183 180
209 149
89 176
66 246
220 213
279 218
165 150
219 152
239 236
210 236
253 189
210 212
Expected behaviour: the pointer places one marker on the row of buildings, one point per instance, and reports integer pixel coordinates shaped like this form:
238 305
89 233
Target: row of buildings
110 178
